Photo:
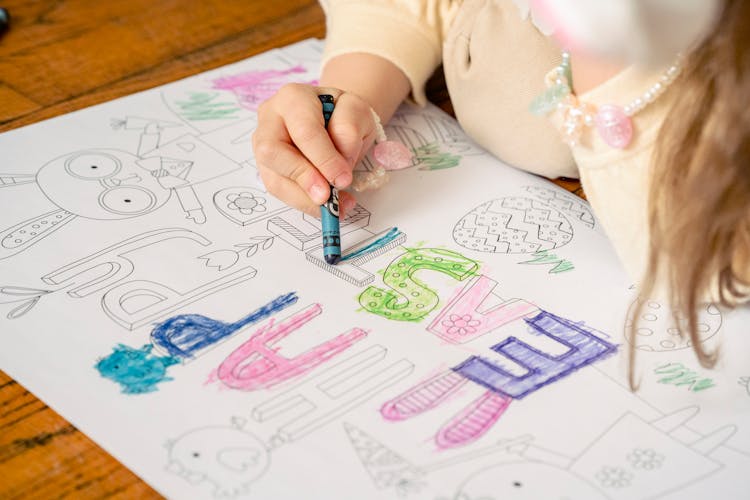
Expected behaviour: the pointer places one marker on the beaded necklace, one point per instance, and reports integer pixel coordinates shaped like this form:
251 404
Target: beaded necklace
614 123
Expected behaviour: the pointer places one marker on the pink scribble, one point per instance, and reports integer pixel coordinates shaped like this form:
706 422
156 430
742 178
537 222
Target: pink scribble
257 364
461 321
254 87
422 397
473 421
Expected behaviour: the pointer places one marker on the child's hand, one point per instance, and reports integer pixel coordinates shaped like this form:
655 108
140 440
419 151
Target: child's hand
297 158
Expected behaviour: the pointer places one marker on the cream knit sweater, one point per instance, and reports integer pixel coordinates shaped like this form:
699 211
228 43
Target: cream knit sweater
495 61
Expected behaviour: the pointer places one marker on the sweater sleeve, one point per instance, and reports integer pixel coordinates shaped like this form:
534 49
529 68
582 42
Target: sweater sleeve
408 33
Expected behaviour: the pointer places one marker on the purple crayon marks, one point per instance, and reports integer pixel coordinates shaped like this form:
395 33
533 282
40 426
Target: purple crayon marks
478 417
584 348
184 335
257 364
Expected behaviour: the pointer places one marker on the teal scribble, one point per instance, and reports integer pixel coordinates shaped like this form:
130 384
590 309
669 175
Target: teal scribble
677 374
202 106
544 257
430 157
391 235
136 370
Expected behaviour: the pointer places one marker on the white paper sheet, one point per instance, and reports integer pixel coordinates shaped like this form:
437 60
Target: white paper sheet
157 297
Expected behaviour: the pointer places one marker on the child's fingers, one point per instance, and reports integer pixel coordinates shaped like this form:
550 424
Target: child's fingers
304 121
289 192
351 123
274 154
289 164
291 138
294 196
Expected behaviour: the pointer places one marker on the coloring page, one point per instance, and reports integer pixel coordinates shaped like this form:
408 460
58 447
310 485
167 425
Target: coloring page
472 344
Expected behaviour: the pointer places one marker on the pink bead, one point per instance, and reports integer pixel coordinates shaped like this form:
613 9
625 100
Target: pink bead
392 155
614 126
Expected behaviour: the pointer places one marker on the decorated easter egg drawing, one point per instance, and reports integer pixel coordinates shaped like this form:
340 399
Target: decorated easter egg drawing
513 225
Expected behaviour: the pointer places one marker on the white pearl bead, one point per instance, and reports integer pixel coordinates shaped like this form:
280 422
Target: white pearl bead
578 115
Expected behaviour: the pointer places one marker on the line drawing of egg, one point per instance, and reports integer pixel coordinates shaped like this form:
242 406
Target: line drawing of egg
656 330
513 225
565 202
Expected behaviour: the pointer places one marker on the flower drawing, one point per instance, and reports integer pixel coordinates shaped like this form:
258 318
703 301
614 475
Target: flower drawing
246 203
614 477
461 325
646 459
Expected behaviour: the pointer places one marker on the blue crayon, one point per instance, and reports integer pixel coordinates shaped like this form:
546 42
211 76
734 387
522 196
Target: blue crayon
329 211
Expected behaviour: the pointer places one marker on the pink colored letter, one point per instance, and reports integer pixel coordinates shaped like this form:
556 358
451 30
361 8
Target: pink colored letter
473 421
461 320
422 397
256 364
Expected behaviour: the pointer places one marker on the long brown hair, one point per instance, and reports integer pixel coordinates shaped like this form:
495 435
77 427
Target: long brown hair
699 199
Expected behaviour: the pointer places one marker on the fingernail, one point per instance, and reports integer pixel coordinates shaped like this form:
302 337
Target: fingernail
343 180
319 194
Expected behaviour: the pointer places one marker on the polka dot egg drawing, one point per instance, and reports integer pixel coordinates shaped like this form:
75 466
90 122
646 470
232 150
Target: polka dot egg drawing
513 225
656 330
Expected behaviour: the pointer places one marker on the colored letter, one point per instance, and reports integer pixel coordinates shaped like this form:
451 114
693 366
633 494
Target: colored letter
185 335
256 364
410 299
473 421
422 397
583 348
461 321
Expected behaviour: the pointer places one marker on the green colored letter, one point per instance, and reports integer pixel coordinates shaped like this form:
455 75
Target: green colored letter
409 299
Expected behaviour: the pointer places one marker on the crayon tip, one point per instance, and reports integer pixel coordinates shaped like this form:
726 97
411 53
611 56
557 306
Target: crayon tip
332 259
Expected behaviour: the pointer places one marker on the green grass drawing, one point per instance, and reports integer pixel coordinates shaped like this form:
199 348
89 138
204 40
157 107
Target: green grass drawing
203 106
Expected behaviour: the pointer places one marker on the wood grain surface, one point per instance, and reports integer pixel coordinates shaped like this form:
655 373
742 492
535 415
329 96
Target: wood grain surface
60 56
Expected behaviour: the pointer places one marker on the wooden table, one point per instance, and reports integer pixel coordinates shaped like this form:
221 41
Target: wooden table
59 56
